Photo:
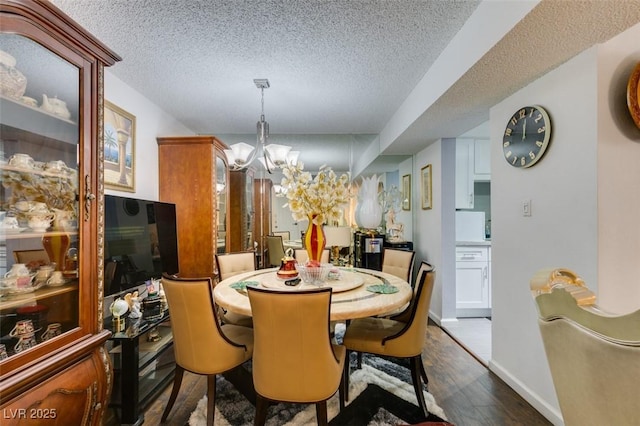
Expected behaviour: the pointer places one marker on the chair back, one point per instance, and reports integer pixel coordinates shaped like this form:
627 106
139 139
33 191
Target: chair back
398 262
26 256
594 357
302 256
408 342
199 344
231 264
286 235
275 249
293 357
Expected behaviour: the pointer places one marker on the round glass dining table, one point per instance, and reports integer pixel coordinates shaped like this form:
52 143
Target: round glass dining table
357 293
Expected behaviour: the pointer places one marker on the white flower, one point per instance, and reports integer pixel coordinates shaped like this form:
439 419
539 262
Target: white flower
323 195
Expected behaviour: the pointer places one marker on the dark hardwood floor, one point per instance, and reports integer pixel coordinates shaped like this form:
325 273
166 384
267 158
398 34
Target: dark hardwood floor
467 392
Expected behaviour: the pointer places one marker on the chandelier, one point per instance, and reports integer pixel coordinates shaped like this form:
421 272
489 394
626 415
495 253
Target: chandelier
271 156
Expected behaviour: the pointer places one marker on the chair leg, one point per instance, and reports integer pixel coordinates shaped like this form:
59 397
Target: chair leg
211 398
177 381
423 372
345 375
359 360
321 413
262 407
417 384
341 388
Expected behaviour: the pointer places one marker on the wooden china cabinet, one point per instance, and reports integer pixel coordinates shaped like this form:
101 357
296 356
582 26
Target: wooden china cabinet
193 175
53 365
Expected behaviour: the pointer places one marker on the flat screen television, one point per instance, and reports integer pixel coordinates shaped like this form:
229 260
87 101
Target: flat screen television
140 242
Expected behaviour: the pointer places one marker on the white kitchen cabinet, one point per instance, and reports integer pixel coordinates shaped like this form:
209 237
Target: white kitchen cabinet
464 173
481 160
473 280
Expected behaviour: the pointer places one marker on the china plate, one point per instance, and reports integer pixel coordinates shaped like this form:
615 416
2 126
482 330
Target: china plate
242 285
382 289
23 290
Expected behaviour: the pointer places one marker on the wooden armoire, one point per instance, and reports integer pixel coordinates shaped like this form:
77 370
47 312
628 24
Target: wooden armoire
193 174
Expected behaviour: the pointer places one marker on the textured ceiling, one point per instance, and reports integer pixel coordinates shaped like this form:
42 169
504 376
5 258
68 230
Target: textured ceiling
336 67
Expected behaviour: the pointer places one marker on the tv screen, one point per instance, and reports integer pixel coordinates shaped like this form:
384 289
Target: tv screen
140 242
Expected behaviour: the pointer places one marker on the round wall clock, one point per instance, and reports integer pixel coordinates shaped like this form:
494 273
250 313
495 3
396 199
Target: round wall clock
526 136
633 95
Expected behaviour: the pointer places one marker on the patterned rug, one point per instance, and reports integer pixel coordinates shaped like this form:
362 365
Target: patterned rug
380 394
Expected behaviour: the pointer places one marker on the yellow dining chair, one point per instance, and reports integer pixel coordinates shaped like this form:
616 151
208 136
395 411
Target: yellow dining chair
398 262
294 359
594 356
200 343
229 265
302 256
394 338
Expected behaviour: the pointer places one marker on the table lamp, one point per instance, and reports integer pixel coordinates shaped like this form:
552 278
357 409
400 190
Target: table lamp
337 237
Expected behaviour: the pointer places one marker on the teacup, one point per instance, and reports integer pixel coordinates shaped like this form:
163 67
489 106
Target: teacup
25 342
21 160
23 206
53 330
3 352
39 224
17 270
8 283
56 278
29 101
22 328
10 222
56 166
44 272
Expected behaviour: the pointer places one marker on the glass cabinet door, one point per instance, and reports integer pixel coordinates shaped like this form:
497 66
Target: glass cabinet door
40 112
222 191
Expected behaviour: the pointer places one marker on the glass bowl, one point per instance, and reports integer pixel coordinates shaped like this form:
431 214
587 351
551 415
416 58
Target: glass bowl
316 275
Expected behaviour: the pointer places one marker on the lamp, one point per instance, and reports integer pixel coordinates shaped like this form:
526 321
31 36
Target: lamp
337 237
241 155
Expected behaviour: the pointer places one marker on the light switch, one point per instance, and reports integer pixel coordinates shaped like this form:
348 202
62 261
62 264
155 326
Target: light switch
526 208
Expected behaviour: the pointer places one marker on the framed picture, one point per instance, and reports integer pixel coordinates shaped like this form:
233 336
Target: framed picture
119 148
406 192
425 186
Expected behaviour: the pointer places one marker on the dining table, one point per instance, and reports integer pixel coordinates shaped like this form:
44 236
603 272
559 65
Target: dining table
357 292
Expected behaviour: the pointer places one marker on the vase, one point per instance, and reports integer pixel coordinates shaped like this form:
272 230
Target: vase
369 209
56 246
314 239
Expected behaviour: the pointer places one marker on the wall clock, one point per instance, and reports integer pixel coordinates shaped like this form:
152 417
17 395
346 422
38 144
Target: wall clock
526 136
633 95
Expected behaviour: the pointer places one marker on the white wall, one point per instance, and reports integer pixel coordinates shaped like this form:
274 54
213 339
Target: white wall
587 182
151 122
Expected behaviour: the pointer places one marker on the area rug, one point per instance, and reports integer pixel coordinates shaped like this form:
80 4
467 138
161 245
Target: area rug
380 394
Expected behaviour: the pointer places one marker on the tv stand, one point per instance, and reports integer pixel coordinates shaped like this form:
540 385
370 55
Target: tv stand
142 368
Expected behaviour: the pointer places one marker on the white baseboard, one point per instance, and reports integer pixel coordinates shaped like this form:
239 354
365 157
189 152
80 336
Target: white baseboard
549 412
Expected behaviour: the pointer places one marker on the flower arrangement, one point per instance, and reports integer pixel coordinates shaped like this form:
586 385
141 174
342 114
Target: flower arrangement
322 195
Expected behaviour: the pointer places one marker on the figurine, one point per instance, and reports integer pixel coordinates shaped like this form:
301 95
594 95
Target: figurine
134 304
394 230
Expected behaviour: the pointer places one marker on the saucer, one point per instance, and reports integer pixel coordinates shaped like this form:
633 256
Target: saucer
10 231
57 283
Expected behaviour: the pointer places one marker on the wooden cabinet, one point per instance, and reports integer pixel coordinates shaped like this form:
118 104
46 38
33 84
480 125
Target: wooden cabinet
262 188
188 169
51 102
473 281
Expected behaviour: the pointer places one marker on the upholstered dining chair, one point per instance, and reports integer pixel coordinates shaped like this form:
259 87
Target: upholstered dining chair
275 249
294 359
394 338
286 235
594 356
398 262
230 264
201 344
302 256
